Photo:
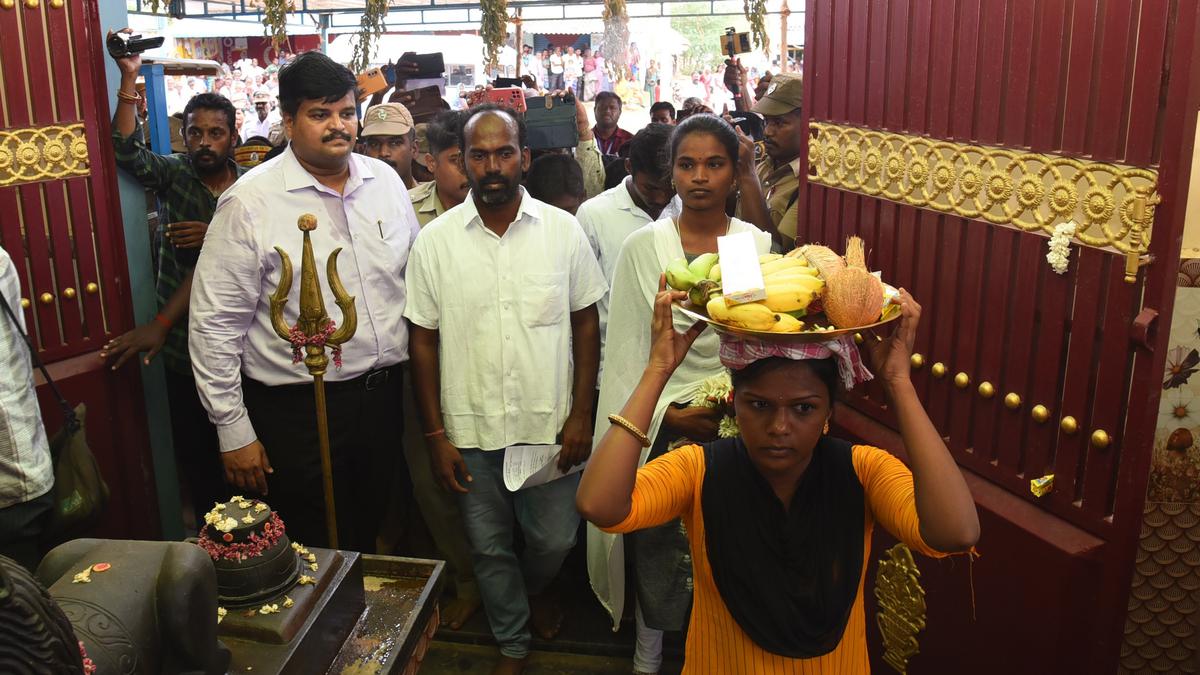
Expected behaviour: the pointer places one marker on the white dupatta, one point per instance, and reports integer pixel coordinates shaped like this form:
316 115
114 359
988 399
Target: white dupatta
644 256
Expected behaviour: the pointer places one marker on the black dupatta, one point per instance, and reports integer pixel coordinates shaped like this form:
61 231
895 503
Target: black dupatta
789 577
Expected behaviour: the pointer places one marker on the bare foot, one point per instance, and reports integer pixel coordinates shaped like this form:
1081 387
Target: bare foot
507 665
458 611
545 615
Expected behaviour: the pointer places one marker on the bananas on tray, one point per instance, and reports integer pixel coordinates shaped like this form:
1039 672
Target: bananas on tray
791 286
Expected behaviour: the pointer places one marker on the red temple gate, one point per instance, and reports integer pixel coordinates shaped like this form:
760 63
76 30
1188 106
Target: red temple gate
953 135
60 221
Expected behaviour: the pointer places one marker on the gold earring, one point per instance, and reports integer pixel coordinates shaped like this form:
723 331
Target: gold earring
826 431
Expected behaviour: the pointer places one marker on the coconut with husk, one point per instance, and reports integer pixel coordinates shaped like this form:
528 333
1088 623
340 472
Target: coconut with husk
853 296
825 259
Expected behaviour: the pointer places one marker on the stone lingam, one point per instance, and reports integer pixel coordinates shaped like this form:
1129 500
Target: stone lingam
240 597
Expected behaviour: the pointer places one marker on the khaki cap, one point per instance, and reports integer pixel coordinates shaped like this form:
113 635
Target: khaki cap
387 119
784 94
261 96
422 145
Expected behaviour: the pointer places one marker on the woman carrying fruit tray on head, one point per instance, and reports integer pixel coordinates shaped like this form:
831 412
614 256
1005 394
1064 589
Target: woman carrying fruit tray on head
779 519
704 169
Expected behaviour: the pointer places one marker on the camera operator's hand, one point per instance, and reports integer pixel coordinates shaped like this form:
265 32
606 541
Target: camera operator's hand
581 120
129 65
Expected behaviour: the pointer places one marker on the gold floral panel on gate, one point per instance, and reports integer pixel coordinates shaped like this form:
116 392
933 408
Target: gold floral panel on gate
42 153
1112 204
901 614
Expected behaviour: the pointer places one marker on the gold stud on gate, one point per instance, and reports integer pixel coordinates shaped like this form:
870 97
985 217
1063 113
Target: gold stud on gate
7 4
986 389
31 4
25 303
46 298
92 287
1068 425
1100 439
69 293
939 369
1012 401
1040 413
962 380
56 4
917 360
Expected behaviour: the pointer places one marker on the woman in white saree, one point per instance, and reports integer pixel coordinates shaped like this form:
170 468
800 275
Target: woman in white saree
704 169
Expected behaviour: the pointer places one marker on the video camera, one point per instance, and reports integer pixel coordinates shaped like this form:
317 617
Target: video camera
122 45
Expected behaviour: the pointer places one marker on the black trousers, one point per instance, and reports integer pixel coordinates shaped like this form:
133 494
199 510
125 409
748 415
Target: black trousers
197 450
21 529
366 427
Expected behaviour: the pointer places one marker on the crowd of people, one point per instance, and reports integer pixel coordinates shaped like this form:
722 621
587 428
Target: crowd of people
522 296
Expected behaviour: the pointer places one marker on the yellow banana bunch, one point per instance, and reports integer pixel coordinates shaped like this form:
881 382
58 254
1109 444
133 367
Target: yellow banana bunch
787 324
779 264
750 315
789 295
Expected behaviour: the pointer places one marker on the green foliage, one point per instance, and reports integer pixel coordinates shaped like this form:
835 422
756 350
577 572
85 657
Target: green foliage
371 26
493 28
275 20
703 34
616 37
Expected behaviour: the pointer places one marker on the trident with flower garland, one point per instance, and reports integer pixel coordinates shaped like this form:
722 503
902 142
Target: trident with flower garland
312 332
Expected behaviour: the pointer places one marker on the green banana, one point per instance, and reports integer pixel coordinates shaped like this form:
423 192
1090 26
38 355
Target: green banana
714 273
679 276
702 264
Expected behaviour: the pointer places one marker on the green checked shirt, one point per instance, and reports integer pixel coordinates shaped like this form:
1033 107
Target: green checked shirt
181 196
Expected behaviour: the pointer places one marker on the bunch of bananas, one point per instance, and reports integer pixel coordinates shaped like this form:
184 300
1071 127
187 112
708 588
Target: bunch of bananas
790 282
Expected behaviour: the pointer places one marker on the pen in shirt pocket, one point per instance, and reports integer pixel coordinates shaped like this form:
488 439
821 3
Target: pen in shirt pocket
379 224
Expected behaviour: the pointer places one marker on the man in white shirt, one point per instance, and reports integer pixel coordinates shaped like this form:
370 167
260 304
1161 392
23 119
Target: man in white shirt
640 199
26 474
505 348
573 71
556 69
259 399
263 119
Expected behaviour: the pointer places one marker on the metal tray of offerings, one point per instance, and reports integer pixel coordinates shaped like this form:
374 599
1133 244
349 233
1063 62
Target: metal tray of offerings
816 326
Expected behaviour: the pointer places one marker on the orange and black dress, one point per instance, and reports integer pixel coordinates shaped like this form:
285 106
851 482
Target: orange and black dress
786 596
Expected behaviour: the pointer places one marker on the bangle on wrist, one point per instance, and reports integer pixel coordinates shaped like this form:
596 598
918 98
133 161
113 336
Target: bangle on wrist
162 321
130 98
438 432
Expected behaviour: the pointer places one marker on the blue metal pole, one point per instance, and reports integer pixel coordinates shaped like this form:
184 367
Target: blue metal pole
156 108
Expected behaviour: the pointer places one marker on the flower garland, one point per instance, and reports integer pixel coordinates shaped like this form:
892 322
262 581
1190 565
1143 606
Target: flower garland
89 666
1059 255
272 530
717 391
299 340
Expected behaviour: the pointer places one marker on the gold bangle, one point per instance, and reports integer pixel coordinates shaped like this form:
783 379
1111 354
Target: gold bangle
131 98
628 426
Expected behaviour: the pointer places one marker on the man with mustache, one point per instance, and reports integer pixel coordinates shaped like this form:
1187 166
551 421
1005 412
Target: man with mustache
390 136
610 138
260 400
187 186
261 124
505 347
779 171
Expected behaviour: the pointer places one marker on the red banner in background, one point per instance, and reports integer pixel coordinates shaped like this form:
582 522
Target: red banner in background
232 49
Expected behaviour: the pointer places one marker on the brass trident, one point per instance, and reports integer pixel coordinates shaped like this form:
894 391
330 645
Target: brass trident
314 322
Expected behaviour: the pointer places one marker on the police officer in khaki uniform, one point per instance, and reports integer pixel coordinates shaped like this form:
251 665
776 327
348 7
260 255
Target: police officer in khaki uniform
779 170
390 136
443 159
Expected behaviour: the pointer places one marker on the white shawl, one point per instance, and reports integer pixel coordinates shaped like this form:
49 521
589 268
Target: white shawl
644 256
